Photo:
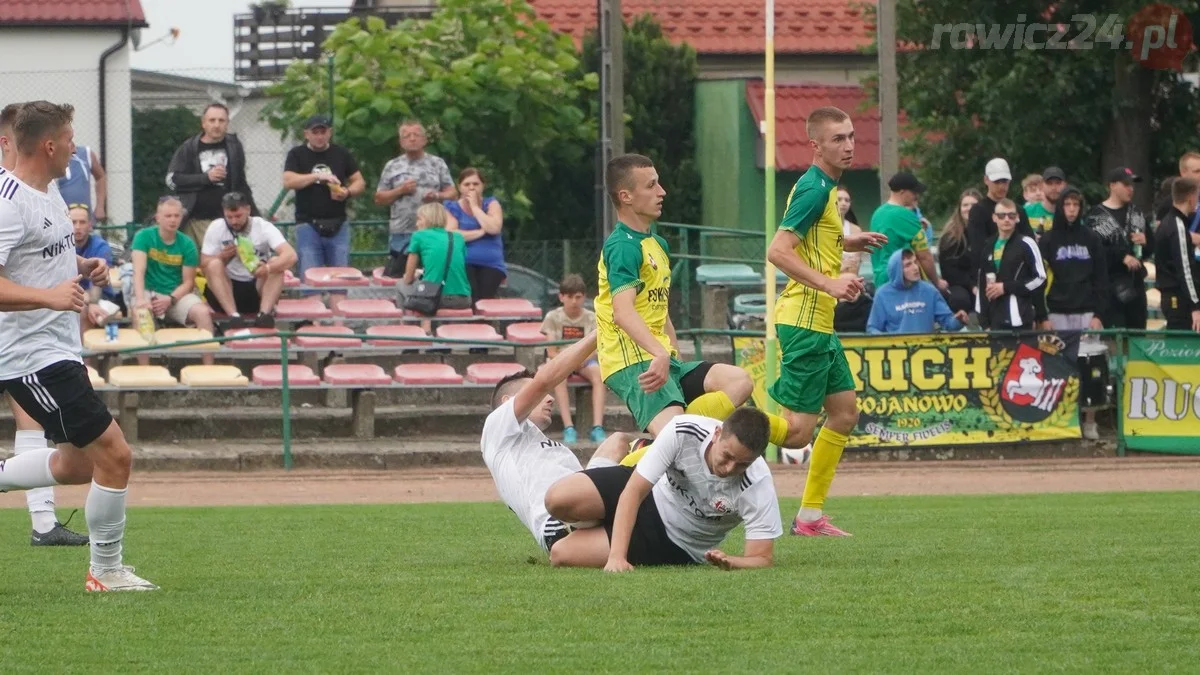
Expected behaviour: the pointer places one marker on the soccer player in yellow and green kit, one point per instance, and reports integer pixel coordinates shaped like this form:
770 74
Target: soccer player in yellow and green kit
636 342
813 370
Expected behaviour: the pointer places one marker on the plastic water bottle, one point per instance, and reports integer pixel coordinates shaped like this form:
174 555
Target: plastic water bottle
111 331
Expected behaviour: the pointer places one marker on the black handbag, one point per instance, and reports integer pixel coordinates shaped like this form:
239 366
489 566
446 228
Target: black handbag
426 296
327 227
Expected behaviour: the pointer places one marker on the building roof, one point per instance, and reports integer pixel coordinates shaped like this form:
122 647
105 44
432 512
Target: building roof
76 13
794 103
731 26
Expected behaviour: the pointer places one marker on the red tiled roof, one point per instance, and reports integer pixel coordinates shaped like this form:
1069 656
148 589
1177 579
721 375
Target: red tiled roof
730 26
793 103
71 13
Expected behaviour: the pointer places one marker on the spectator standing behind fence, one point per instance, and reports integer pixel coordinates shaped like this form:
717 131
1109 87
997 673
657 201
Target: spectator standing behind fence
324 175
1032 193
851 260
573 321
899 221
1078 288
408 181
1174 258
76 185
427 250
480 220
206 167
954 256
850 316
1041 214
1121 227
244 259
908 304
1012 281
980 225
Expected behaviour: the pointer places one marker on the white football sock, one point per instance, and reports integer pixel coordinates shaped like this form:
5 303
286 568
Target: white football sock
30 470
40 500
808 515
598 462
105 514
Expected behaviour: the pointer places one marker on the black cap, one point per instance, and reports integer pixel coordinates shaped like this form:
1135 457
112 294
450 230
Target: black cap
318 121
1122 174
1054 173
905 181
233 200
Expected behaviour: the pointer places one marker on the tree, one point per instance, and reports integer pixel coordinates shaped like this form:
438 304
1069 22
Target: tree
156 135
494 86
1086 110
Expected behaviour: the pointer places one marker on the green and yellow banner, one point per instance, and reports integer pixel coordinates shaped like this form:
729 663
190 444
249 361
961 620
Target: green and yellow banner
1161 395
951 389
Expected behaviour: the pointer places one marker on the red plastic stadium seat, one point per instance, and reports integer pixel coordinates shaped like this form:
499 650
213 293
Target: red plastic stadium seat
380 280
478 332
426 373
362 308
508 307
356 373
528 333
335 276
272 376
302 308
407 330
491 373
290 280
305 337
444 314
271 342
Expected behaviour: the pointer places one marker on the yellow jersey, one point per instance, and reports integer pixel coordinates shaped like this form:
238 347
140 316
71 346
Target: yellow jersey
813 216
639 261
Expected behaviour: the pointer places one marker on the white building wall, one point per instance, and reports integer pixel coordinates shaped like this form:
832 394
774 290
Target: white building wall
61 66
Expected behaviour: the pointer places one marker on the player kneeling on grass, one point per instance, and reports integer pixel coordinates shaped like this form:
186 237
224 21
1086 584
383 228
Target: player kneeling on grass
698 481
522 461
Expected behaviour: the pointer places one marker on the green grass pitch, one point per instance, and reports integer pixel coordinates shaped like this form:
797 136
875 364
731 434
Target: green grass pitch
1090 583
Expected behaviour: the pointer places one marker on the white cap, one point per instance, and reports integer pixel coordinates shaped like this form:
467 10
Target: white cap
997 169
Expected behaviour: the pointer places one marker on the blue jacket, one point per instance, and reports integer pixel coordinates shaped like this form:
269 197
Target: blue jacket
908 308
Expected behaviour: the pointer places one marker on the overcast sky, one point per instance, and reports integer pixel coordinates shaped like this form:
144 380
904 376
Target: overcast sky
205 45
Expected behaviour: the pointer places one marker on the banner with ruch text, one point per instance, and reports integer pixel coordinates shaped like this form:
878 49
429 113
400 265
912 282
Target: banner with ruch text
1161 395
952 388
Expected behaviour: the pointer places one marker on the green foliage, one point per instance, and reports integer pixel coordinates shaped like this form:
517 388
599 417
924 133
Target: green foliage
1037 108
156 135
494 86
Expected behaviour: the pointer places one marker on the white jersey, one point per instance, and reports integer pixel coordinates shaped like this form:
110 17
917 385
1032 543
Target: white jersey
524 464
697 507
262 234
37 250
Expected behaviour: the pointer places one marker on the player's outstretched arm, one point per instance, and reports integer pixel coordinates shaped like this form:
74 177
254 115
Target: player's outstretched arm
758 553
556 370
627 508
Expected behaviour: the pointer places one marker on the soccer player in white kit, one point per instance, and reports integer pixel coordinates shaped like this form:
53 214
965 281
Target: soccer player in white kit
40 364
698 480
522 460
47 531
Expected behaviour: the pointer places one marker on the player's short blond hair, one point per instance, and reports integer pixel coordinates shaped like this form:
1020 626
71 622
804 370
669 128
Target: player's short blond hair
822 116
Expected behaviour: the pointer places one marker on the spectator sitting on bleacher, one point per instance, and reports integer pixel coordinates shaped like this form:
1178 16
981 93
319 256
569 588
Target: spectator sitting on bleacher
479 219
427 250
242 274
573 321
91 245
164 271
908 304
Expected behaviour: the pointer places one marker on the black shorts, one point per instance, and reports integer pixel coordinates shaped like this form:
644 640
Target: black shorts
60 397
649 543
245 297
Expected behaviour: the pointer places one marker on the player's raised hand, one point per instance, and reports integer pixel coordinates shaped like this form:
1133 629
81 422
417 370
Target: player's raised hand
96 270
656 375
621 565
717 559
864 242
844 288
67 296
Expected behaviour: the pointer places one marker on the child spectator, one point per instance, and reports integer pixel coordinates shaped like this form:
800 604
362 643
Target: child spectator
574 322
427 250
906 304
1032 190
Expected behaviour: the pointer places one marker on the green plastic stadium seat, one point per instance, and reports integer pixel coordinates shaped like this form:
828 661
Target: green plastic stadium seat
727 274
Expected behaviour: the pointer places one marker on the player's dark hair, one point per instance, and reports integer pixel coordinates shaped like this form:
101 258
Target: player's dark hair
38 120
9 115
1182 190
751 427
215 104
509 386
618 174
572 284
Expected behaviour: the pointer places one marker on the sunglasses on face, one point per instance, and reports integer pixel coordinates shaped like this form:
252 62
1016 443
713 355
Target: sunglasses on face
1010 215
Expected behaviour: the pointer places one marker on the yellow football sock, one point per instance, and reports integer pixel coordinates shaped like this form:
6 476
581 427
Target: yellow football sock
826 453
637 452
715 404
779 430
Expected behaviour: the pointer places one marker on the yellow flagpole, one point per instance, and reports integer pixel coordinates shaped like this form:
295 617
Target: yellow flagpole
772 359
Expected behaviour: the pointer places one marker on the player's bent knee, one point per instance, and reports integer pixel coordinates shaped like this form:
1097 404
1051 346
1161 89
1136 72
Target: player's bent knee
110 451
844 421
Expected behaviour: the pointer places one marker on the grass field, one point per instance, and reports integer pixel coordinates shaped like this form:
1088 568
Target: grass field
981 584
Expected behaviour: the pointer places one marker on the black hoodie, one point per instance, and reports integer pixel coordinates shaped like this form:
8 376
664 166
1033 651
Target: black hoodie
1075 256
1175 260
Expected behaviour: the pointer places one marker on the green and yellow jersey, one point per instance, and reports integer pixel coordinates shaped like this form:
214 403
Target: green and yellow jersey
637 260
813 216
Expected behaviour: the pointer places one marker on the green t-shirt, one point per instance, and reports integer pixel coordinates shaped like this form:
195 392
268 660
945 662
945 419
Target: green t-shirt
903 230
430 247
165 262
1040 218
998 252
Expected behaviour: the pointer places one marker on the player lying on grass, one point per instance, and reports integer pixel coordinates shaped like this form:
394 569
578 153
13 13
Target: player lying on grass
697 481
522 461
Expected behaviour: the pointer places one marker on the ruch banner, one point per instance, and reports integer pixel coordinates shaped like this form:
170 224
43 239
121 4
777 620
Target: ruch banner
1161 393
953 388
